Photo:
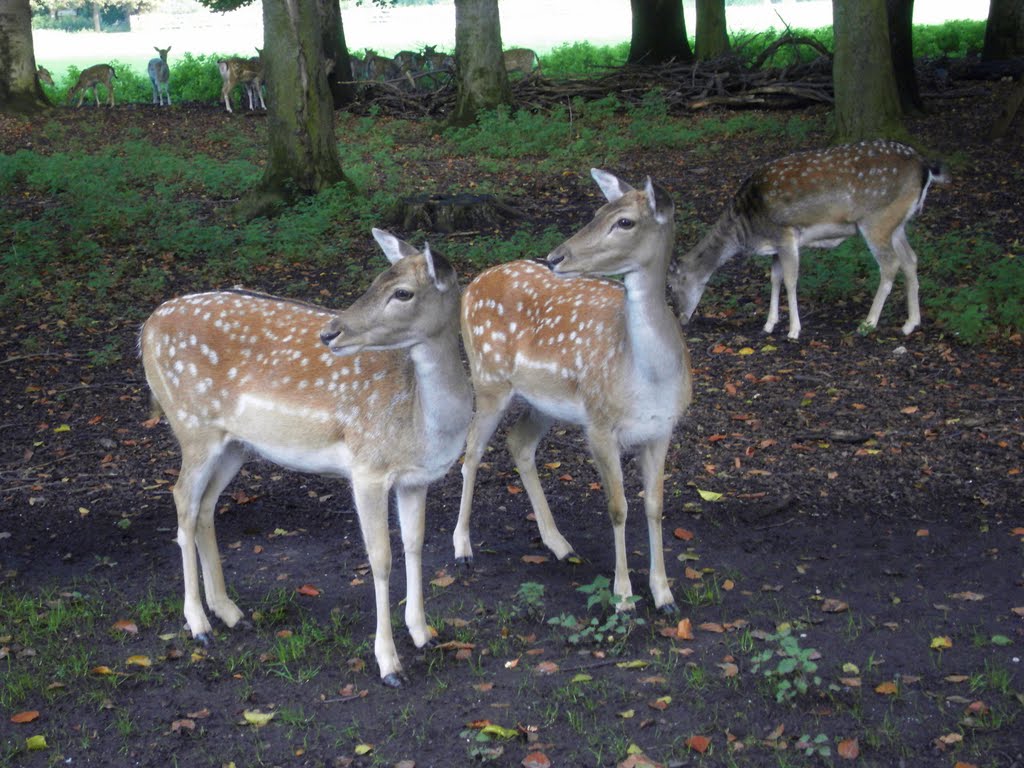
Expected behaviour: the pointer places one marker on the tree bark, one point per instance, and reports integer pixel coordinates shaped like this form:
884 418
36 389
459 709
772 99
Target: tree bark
481 81
659 32
867 102
97 20
302 156
343 91
901 38
712 36
1004 32
20 92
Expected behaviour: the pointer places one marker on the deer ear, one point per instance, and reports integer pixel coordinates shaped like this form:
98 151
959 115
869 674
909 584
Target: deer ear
391 245
660 201
441 273
612 186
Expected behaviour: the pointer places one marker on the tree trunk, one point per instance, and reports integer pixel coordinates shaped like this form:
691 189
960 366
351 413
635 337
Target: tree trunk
1004 32
659 32
901 37
867 103
712 35
481 81
20 92
333 40
97 25
302 157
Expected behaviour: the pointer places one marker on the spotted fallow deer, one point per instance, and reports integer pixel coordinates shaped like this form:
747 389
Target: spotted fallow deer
245 72
160 77
606 355
525 61
818 199
91 77
44 76
376 393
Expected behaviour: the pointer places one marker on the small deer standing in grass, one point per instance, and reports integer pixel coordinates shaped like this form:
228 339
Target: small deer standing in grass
818 199
522 60
245 72
160 77
605 355
91 78
376 393
44 75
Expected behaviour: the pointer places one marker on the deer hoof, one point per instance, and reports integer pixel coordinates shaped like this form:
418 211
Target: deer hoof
394 680
204 639
464 562
669 609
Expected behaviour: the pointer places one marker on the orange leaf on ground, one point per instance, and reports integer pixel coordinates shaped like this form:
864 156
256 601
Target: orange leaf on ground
25 717
682 534
534 559
698 743
308 590
126 626
547 668
514 489
444 580
684 629
848 749
887 688
536 760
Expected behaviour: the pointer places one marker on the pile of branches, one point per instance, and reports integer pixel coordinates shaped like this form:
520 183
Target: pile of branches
727 82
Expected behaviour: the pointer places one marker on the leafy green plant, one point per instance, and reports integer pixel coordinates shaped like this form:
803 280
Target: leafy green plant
816 745
786 666
529 599
610 627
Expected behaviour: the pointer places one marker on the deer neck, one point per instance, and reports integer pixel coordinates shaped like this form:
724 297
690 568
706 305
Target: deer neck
443 395
651 327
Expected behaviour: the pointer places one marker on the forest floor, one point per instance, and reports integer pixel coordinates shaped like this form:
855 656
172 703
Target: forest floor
849 504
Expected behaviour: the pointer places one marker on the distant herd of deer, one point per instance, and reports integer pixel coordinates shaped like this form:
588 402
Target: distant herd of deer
410 67
378 392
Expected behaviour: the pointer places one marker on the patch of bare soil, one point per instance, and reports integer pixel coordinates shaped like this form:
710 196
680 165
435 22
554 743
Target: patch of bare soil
870 500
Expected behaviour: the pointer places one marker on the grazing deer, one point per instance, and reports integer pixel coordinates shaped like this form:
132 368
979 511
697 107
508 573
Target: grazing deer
376 393
160 77
437 63
91 78
408 64
245 72
522 60
818 199
607 356
44 76
377 67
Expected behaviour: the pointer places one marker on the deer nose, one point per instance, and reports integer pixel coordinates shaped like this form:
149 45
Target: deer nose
557 256
329 334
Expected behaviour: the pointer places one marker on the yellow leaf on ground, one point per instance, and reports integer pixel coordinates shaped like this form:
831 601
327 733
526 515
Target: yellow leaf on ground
363 749
709 495
443 581
139 661
102 670
36 743
941 643
257 718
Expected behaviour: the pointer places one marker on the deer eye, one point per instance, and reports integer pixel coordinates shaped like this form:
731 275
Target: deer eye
402 294
625 223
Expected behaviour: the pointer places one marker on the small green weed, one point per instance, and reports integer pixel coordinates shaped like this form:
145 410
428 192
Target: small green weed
795 671
610 627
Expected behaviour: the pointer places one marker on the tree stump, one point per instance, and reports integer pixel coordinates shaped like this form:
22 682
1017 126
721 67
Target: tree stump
451 213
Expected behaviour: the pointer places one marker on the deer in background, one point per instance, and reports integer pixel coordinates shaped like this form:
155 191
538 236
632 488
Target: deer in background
522 60
605 355
377 67
408 64
245 72
376 393
160 76
437 62
44 76
91 78
818 199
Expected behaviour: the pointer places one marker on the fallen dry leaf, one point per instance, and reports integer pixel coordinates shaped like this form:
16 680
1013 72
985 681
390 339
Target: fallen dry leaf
682 534
25 717
698 744
832 605
536 760
887 689
848 749
308 590
534 559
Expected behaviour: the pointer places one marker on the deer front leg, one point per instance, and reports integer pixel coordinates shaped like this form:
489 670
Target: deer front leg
605 448
523 439
371 499
652 466
908 262
412 506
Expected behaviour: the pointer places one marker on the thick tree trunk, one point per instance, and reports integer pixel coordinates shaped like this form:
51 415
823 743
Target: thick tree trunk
332 33
20 92
481 81
867 103
1004 32
901 37
302 156
659 32
712 36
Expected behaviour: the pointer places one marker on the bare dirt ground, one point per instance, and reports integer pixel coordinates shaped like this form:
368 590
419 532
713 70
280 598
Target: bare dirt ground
871 502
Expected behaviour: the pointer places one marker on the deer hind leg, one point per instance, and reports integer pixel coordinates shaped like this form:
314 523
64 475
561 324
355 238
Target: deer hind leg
227 466
198 467
523 440
605 448
882 245
412 505
371 499
489 410
652 465
908 263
